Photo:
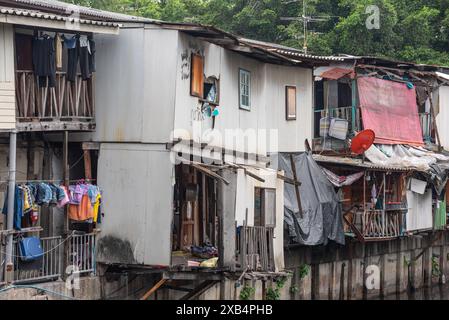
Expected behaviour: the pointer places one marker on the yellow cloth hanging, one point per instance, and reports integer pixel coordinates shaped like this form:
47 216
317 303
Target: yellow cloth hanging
96 207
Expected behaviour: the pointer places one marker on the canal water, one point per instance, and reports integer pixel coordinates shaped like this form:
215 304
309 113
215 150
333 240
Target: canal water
437 292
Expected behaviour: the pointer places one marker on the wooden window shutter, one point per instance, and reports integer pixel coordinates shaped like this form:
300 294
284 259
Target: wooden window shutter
290 102
197 76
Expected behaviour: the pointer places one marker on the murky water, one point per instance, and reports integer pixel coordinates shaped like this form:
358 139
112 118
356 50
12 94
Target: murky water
437 292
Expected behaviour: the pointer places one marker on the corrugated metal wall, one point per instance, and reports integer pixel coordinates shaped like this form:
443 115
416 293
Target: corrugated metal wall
136 180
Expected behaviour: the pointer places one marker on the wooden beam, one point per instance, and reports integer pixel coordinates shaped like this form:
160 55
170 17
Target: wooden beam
91 146
209 173
297 183
153 289
87 165
288 180
203 287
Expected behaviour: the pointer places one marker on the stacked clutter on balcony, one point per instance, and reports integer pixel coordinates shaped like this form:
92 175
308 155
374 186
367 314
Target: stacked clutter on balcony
333 132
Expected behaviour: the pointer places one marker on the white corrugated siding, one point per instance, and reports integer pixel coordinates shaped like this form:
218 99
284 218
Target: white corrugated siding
7 88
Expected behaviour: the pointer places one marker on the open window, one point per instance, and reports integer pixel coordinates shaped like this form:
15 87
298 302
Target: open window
290 102
197 76
244 89
211 91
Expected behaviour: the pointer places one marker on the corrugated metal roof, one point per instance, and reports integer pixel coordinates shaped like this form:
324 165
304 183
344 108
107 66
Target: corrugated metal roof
358 163
284 50
48 16
302 55
66 9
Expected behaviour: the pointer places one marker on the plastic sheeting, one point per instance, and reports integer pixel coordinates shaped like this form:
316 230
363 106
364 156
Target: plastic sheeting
435 165
321 219
340 181
389 108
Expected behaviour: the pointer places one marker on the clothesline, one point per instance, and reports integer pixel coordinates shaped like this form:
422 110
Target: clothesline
49 181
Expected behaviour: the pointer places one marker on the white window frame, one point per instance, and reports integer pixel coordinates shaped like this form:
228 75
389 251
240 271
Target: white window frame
244 75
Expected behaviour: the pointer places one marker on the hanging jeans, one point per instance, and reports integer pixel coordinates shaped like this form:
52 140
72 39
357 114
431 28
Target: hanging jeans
18 207
72 63
84 63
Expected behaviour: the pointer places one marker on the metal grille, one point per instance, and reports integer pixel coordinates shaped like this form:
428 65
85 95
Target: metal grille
81 253
46 268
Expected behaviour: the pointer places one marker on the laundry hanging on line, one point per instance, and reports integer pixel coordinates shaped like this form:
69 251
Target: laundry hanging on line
84 201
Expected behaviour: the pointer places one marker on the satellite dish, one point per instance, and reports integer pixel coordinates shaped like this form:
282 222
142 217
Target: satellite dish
362 141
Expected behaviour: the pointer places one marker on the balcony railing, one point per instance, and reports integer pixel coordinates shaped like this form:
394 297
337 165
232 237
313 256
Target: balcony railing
47 268
67 102
80 256
255 248
82 253
379 224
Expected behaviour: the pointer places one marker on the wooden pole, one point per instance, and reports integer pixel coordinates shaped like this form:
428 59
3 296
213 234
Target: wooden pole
153 289
298 196
87 165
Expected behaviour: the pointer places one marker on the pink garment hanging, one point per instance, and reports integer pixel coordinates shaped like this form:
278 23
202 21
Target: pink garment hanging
64 200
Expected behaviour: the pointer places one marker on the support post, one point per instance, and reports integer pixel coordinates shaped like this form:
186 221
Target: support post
66 173
354 104
9 264
226 197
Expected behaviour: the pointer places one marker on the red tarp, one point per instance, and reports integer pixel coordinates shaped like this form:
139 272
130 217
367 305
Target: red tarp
390 110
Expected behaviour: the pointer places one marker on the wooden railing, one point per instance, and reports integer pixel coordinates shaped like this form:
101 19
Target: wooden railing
378 224
67 101
255 248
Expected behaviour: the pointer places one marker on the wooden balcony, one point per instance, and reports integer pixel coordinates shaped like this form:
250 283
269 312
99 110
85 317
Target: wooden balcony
67 106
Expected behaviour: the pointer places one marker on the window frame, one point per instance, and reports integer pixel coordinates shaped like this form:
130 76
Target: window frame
201 76
248 73
263 213
289 117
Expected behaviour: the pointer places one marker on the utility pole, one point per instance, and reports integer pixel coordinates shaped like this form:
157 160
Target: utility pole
306 20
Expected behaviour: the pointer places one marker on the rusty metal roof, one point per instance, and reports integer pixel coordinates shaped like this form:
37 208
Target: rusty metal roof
338 73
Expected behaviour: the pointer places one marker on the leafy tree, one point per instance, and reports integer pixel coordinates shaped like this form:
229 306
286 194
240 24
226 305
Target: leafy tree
411 30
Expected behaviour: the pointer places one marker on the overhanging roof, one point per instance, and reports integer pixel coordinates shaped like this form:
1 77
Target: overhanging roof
53 21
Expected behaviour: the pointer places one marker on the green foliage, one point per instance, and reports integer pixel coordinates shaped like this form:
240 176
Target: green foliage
294 289
247 292
411 30
304 271
275 293
436 271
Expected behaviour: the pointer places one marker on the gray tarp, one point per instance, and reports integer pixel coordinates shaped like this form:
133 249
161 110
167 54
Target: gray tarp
322 213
